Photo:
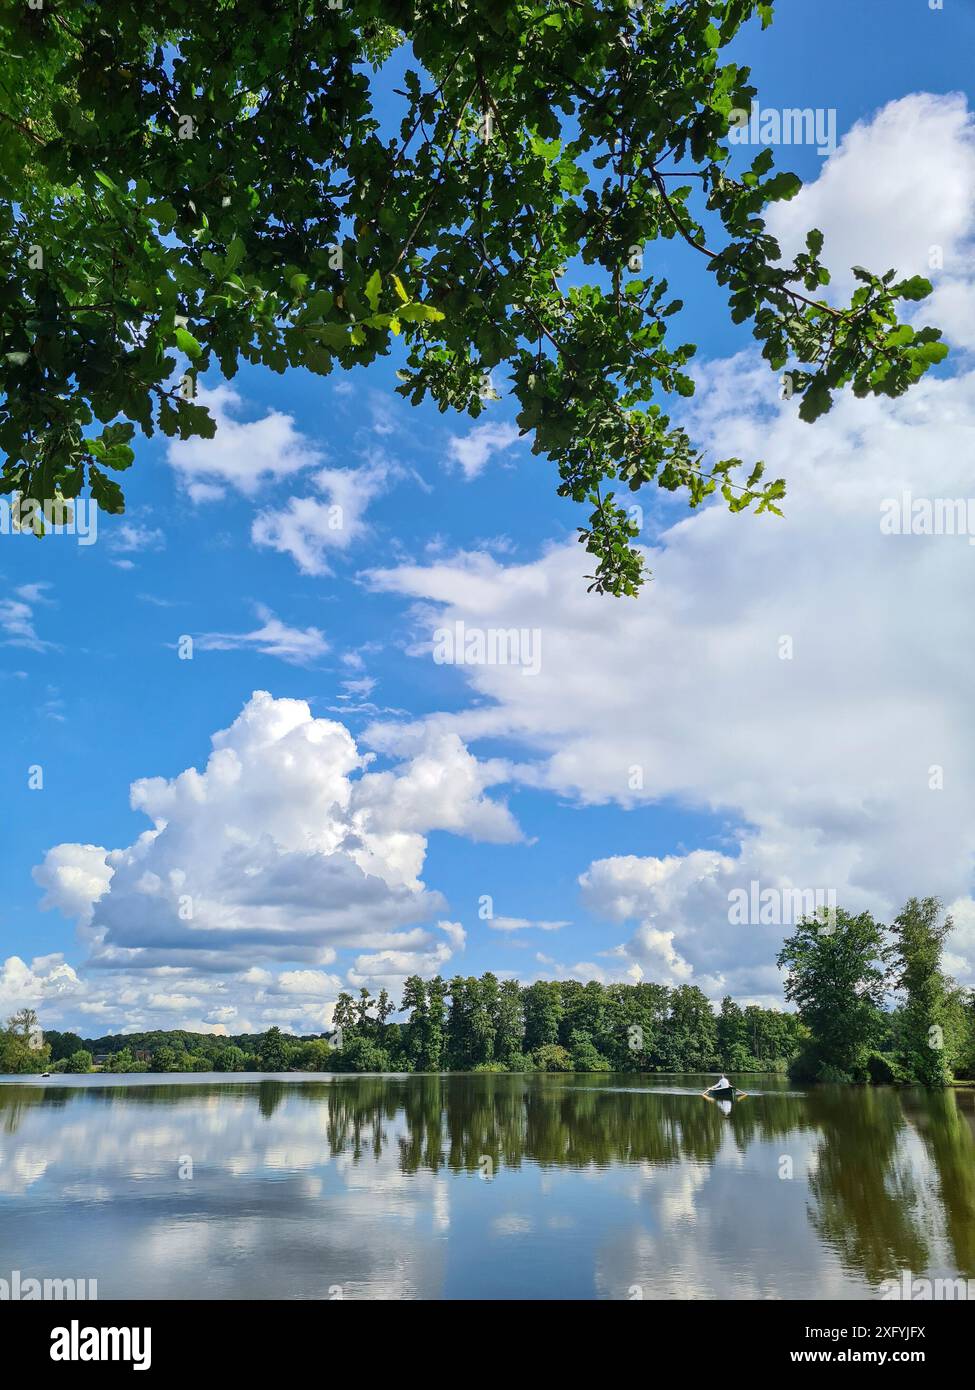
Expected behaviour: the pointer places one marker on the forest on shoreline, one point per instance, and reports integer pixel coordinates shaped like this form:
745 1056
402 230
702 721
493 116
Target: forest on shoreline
842 971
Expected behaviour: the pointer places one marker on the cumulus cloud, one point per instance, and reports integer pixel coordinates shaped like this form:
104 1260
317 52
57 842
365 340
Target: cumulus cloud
285 849
866 202
48 980
73 877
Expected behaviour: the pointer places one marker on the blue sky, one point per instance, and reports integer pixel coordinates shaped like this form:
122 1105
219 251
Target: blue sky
753 768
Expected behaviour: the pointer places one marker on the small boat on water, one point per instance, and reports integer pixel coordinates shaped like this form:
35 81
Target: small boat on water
722 1093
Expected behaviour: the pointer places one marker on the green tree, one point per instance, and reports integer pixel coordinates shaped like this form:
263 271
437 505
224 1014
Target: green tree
731 1036
509 1023
414 1005
553 1057
433 1052
230 1058
543 1013
166 1058
315 1055
585 1055
183 186
122 1061
62 1044
926 1035
272 1052
689 1039
16 1056
23 1022
837 978
384 1007
79 1061
361 1054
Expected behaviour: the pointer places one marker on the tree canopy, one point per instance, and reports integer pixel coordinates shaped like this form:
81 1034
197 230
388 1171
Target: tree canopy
185 187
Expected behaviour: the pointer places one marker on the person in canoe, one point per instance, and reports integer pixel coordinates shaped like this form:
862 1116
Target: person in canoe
723 1092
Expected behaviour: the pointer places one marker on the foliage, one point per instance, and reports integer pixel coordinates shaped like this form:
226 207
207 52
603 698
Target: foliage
185 186
230 1059
272 1054
927 1043
552 1057
837 977
16 1056
62 1044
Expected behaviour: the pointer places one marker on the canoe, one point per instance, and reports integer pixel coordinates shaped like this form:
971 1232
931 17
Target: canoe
721 1093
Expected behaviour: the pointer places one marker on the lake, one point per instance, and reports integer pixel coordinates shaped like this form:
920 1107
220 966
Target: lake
510 1187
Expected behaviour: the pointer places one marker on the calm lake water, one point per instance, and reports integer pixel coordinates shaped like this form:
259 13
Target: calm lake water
481 1187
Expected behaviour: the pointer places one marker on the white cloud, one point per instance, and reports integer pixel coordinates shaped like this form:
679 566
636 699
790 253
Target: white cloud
511 924
131 536
473 451
242 454
310 528
47 980
866 200
17 619
74 877
298 646
286 848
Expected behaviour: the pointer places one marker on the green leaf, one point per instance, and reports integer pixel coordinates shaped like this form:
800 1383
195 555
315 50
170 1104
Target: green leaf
419 313
187 343
816 401
914 288
105 491
373 289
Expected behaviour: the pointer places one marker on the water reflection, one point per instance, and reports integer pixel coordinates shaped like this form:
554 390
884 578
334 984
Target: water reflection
486 1186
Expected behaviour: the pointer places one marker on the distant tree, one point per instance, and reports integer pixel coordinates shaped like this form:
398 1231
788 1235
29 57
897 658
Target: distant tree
732 1046
166 1058
927 1038
79 1061
509 1022
585 1056
437 1009
344 1015
63 1044
552 1057
543 1013
120 1061
837 977
384 1007
690 1034
359 1054
414 1005
317 1054
272 1051
229 1058
23 1022
362 1007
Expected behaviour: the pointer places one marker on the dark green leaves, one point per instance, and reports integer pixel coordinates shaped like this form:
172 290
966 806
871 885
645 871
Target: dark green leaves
209 184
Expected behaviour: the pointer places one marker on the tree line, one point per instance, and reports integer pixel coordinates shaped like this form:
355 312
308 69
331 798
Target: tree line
842 971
